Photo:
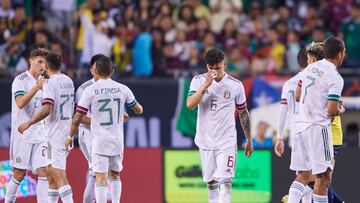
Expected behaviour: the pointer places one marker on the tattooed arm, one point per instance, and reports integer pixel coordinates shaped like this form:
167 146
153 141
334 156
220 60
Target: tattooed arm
244 117
74 126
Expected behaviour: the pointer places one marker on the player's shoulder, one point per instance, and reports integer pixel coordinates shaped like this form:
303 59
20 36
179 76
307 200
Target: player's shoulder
22 77
86 84
200 76
234 81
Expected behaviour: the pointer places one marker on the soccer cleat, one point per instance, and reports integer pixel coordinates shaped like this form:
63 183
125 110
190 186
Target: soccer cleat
285 199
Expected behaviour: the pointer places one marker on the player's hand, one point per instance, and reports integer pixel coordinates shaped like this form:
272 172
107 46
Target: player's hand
209 78
40 82
342 108
248 148
23 127
126 117
69 144
279 147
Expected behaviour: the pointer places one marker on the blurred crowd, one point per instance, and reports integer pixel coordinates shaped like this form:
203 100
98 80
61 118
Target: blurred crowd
148 38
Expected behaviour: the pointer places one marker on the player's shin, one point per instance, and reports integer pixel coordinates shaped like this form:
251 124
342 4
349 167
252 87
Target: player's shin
66 194
225 191
53 195
42 189
11 190
296 192
307 196
89 193
213 192
115 190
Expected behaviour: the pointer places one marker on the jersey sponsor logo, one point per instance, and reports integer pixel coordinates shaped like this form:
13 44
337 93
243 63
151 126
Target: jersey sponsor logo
227 94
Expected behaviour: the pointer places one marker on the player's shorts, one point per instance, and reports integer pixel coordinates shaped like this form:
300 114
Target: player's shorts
57 156
28 156
218 164
85 144
312 150
103 164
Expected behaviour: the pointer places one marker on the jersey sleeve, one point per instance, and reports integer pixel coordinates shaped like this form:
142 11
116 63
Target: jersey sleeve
194 85
336 87
48 93
130 98
84 102
284 94
18 88
240 99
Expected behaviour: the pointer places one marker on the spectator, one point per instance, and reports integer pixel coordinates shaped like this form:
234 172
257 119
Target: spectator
144 10
261 139
292 51
223 10
209 41
120 51
262 62
182 47
141 53
186 20
238 64
6 10
277 50
335 12
57 47
168 29
228 33
200 10
202 27
350 31
60 15
157 52
195 63
39 24
19 23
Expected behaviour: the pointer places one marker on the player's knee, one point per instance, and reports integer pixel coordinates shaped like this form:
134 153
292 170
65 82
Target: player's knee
101 178
213 185
42 172
114 175
19 174
225 183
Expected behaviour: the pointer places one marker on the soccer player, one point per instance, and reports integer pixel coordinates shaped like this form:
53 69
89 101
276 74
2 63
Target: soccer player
321 87
106 99
84 135
218 96
288 109
58 107
28 151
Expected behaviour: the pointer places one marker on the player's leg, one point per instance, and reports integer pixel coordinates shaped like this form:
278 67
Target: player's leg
19 158
299 162
307 196
225 171
53 194
58 173
208 165
85 147
322 161
39 163
115 167
100 165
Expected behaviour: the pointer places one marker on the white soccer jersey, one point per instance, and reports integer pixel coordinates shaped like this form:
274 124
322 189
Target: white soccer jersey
21 85
106 98
78 95
59 92
320 82
215 127
288 97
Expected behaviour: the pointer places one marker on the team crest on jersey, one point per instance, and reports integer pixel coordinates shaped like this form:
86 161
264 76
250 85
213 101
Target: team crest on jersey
227 94
18 159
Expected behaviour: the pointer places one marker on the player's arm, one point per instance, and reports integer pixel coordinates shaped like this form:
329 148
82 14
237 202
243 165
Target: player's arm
244 117
137 108
86 120
194 99
76 120
335 108
43 113
22 100
298 91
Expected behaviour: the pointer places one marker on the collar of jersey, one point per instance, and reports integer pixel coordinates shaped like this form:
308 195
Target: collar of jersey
330 64
31 76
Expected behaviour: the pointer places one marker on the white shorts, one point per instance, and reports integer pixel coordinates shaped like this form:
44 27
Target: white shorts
218 164
85 144
312 150
28 156
57 156
103 164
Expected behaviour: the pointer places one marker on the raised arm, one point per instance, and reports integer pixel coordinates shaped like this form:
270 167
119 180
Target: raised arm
22 100
194 98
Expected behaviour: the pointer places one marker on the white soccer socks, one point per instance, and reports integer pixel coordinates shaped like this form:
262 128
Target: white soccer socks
320 199
213 193
296 192
89 193
225 192
53 196
66 194
115 190
101 193
11 190
42 189
307 196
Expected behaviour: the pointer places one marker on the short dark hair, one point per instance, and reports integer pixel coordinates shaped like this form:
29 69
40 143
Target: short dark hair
95 58
214 56
38 52
104 66
316 49
333 46
53 61
302 58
